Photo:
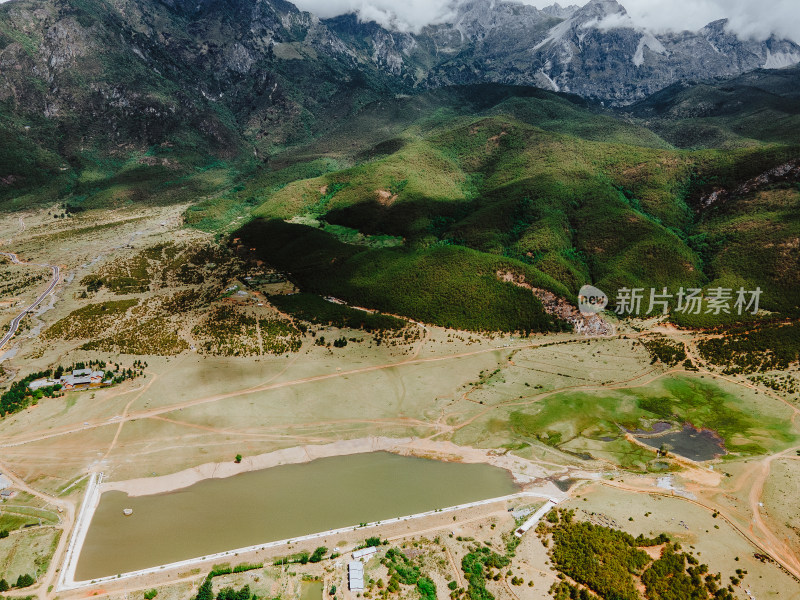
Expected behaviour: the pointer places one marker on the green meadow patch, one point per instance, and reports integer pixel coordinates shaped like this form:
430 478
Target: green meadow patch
598 416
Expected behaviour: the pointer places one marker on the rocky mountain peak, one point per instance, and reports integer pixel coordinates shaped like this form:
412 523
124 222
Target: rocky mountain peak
599 9
560 12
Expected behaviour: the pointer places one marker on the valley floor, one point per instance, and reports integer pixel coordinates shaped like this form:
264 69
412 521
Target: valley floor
223 372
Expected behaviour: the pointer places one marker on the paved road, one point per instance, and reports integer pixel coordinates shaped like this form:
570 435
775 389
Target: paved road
53 283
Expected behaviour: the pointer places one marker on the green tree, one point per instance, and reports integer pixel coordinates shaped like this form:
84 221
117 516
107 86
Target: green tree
318 554
206 591
426 588
25 580
4 587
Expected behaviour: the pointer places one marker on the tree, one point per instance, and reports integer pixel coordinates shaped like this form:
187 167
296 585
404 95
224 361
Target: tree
238 458
426 588
318 555
244 593
4 587
229 593
206 591
25 580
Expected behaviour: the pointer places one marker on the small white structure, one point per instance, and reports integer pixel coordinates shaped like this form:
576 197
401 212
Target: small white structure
355 575
364 553
520 513
40 383
535 518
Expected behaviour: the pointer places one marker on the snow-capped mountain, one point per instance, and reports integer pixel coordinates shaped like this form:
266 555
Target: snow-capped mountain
594 51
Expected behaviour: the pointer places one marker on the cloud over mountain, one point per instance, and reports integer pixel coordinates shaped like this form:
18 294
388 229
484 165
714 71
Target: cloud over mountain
408 15
748 19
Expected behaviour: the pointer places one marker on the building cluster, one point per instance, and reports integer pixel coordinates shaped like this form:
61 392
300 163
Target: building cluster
355 569
79 379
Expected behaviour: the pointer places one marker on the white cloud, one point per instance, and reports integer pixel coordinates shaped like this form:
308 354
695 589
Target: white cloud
748 18
407 15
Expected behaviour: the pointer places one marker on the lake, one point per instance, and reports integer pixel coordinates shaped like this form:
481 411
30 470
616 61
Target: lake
216 515
689 443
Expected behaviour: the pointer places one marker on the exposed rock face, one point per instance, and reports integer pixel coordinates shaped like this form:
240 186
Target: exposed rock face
594 51
789 171
262 72
136 71
588 325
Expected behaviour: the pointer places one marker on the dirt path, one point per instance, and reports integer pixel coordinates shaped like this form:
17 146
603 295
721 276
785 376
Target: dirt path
125 413
456 570
788 562
67 514
260 338
22 440
778 546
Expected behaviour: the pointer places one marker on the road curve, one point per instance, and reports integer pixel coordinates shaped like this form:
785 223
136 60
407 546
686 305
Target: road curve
53 283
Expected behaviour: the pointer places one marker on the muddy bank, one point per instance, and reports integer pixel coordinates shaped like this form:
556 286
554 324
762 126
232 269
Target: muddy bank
522 470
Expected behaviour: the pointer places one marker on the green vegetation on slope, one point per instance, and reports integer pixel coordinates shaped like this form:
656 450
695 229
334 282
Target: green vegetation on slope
610 563
447 285
558 186
770 347
313 309
745 111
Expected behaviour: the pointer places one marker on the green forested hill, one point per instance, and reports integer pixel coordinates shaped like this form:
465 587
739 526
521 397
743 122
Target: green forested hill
259 111
762 106
547 182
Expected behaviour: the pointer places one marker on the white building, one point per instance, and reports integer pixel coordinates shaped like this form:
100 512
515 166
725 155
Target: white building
355 575
364 553
79 378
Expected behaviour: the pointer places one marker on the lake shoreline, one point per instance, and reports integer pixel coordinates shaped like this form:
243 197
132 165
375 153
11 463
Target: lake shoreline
521 470
392 482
